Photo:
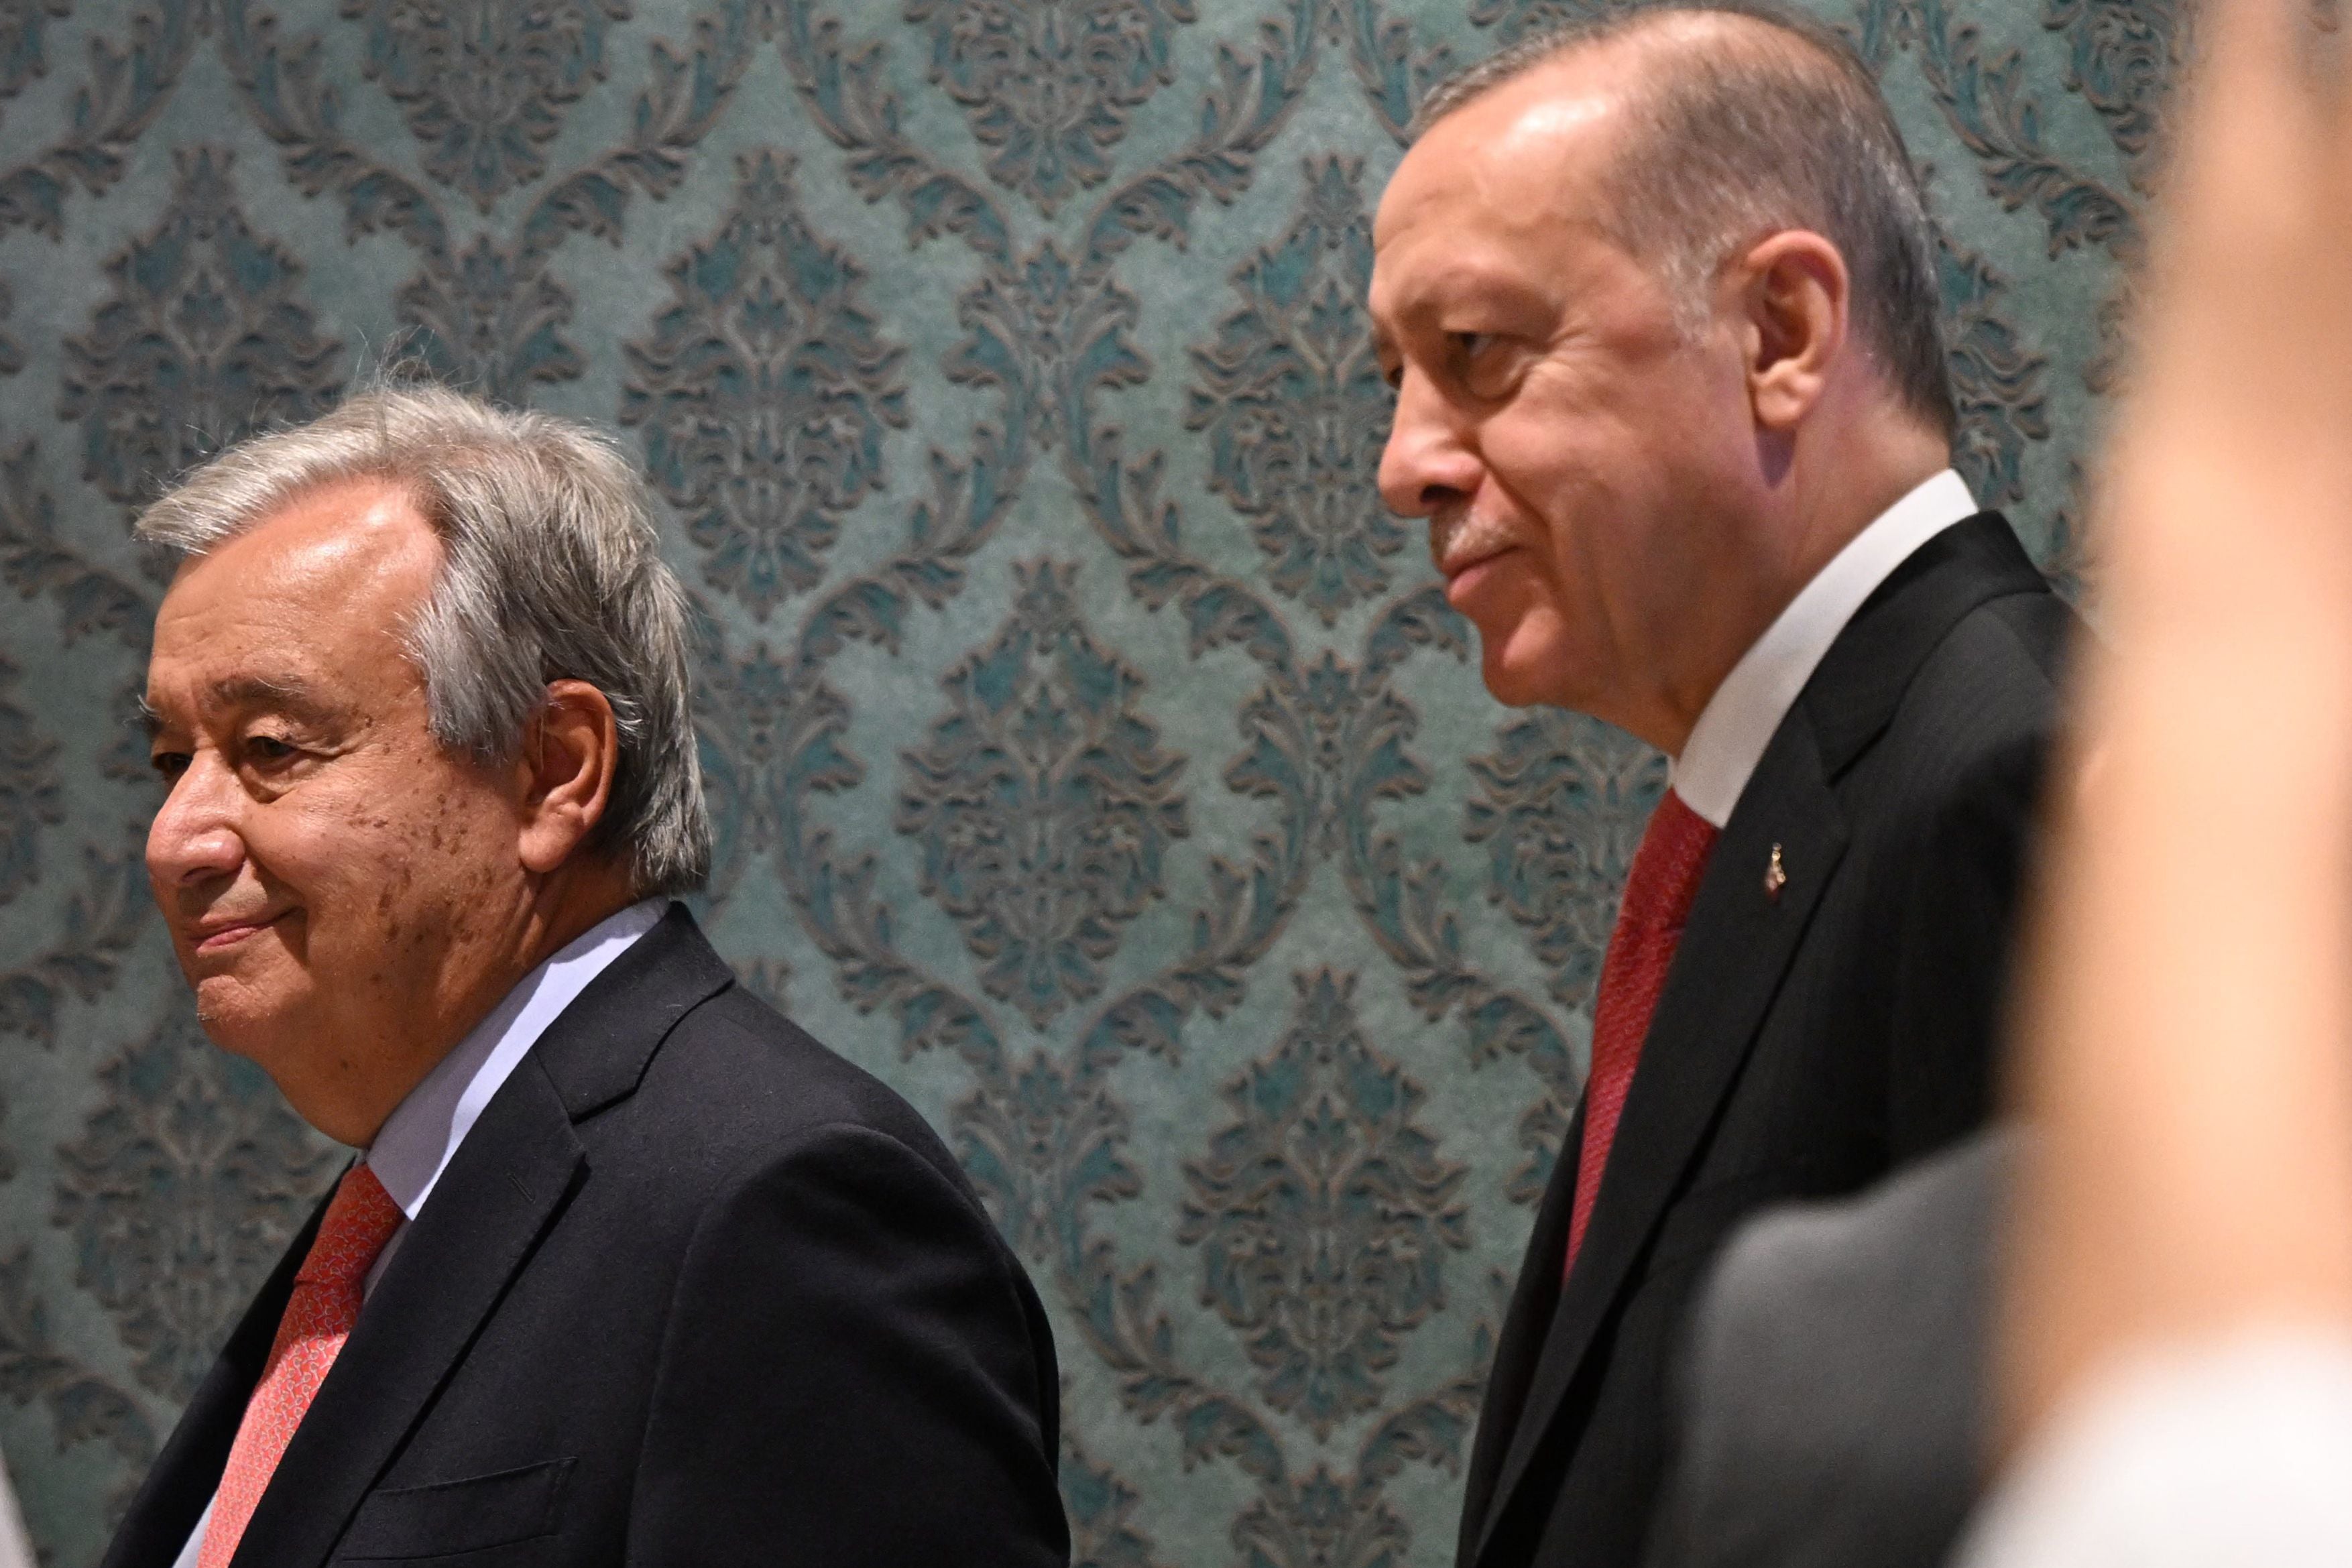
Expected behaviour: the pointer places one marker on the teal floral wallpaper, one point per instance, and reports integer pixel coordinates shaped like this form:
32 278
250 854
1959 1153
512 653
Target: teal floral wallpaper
1093 757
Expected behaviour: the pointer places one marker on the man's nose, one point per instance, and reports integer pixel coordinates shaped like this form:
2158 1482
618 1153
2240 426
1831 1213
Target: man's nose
193 837
1427 466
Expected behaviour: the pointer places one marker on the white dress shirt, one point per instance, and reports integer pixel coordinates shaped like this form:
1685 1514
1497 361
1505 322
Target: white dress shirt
1739 720
417 1140
2236 1454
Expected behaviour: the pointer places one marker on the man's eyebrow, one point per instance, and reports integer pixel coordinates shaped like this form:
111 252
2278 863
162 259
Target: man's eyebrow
289 694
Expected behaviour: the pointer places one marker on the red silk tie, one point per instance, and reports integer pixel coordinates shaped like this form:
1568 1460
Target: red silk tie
1658 893
325 1303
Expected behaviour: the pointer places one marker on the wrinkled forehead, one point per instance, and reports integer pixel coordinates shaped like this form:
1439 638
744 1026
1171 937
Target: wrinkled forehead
1498 189
1526 158
329 584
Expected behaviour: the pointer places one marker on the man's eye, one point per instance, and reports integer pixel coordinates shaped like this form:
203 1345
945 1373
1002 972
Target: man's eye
169 765
1486 370
270 749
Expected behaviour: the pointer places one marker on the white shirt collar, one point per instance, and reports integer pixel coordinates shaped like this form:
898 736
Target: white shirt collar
1739 719
423 1133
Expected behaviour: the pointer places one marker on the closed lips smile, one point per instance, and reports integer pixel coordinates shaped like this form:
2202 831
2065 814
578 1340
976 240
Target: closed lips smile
1464 577
1461 565
212 938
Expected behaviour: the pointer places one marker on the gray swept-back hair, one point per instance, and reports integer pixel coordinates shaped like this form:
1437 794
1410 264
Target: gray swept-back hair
550 570
1730 141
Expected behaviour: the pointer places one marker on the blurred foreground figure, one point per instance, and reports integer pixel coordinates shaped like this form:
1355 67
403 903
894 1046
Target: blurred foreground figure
1658 295
630 1270
2177 1336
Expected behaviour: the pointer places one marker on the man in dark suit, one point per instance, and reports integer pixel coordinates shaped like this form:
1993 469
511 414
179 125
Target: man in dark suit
629 1269
1658 295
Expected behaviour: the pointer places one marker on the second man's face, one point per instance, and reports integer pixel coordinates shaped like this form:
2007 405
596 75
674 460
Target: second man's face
1556 423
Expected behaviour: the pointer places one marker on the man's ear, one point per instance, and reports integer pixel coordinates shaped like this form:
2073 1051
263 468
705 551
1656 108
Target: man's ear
1793 297
569 755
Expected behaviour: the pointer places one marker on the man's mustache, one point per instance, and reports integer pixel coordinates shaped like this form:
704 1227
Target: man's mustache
1460 535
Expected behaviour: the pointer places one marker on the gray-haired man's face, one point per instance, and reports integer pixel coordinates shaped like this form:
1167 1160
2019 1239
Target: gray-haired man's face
332 878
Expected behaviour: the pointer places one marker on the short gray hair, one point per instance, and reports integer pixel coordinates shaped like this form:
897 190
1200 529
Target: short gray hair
551 571
1731 141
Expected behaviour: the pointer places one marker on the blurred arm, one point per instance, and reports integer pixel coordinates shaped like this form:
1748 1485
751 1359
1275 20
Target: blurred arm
2187 1038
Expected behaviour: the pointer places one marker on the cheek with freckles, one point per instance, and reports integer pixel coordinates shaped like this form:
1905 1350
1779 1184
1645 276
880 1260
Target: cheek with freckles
437 875
394 869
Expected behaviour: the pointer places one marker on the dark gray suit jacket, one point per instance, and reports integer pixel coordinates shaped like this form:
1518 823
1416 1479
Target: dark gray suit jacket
1835 1379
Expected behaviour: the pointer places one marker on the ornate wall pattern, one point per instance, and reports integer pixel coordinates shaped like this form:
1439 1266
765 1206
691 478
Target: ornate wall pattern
1092 757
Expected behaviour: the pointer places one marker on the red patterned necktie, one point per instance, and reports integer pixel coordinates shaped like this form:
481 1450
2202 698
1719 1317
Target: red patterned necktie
325 1303
1658 893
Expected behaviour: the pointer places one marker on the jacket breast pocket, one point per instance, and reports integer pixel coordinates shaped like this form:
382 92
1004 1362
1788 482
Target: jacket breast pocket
447 1518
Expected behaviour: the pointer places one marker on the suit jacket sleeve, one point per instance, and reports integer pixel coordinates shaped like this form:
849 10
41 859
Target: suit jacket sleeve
1877 1464
1957 926
851 1375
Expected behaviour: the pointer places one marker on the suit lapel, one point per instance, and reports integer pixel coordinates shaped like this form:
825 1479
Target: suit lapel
1855 693
1740 940
1733 952
599 1049
188 1471
505 1182
1526 1325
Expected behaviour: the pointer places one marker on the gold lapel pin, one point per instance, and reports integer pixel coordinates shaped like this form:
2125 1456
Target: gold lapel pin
1776 876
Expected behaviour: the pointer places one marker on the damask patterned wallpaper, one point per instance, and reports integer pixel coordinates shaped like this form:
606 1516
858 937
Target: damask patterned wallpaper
1093 757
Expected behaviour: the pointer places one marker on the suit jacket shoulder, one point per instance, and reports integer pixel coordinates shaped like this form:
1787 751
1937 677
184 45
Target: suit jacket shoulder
1957 656
733 1084
1944 801
1877 1464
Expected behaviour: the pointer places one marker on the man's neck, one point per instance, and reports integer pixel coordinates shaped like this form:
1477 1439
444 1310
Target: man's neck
564 914
1843 482
1827 494
554 914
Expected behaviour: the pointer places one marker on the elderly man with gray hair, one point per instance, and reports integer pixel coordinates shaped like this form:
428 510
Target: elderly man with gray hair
629 1269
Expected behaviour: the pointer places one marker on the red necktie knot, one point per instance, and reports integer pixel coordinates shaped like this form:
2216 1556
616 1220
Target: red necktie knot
360 1220
1664 878
1659 891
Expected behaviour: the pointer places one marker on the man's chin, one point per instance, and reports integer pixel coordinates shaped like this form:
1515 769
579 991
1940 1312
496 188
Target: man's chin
244 1021
1526 655
1517 680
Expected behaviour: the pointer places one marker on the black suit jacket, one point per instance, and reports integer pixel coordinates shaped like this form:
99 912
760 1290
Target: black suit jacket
694 1291
1804 1043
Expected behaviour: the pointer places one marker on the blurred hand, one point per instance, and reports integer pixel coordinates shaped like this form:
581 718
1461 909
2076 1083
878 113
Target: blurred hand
2186 1031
